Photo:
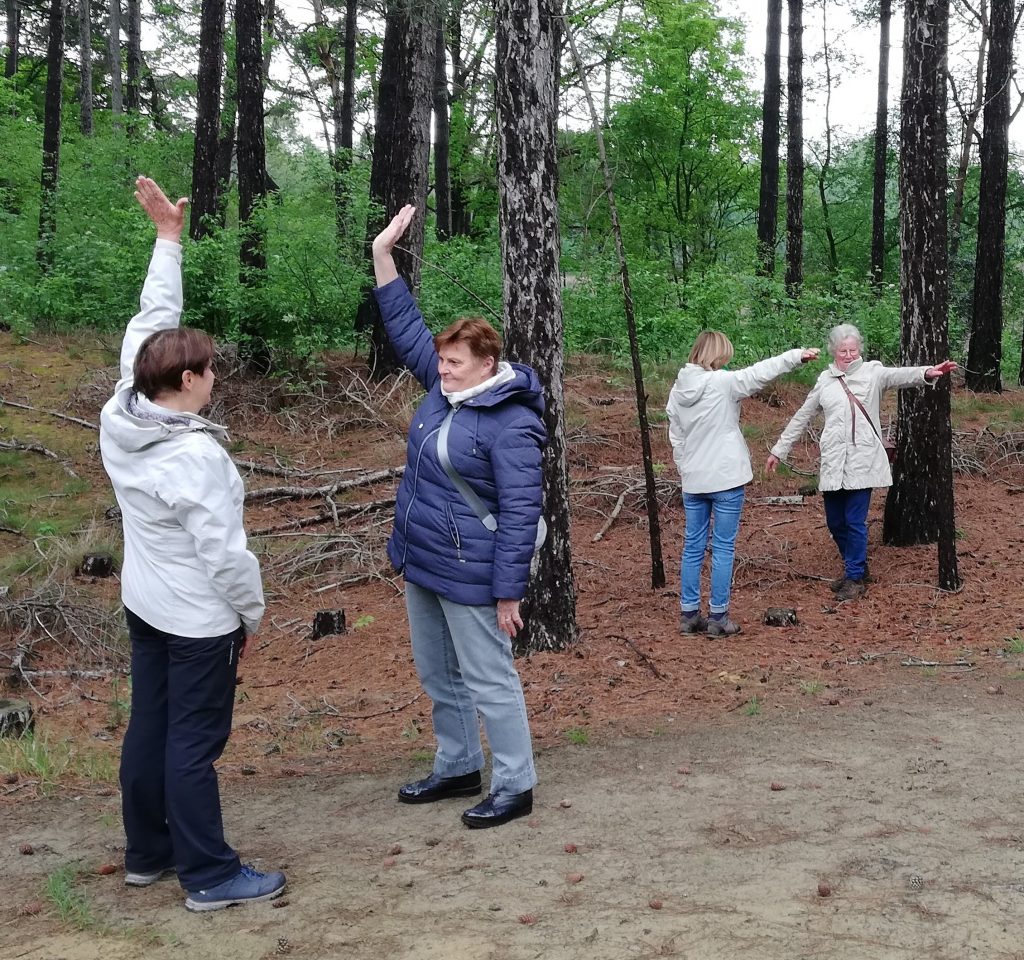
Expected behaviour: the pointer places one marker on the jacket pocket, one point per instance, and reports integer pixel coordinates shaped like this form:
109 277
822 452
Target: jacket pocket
453 531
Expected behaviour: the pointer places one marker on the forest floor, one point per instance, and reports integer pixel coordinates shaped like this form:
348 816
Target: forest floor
891 723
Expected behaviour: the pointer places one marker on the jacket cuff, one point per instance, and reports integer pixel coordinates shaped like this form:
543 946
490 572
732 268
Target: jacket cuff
168 247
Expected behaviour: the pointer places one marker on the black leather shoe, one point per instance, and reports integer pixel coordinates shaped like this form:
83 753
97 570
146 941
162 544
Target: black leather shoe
436 787
499 808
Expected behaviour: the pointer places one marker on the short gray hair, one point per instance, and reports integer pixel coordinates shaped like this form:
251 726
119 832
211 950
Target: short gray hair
843 332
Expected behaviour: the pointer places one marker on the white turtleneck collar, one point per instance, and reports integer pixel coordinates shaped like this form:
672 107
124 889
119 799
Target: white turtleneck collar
504 375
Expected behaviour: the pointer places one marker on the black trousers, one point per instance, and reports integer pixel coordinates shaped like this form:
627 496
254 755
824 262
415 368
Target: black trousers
183 694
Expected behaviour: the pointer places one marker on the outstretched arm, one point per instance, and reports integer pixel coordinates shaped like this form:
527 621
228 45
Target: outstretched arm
794 428
903 377
161 300
747 382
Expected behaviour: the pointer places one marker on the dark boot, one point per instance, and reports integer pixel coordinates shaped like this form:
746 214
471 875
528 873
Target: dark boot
851 590
499 808
692 622
436 787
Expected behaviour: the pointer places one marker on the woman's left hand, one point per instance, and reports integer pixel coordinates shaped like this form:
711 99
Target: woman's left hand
940 369
509 621
810 354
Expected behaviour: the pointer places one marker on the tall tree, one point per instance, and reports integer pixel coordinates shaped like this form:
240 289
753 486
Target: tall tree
442 140
12 10
228 120
207 137
653 522
985 355
768 205
114 57
133 86
526 93
51 135
795 150
919 508
252 162
877 269
85 67
401 146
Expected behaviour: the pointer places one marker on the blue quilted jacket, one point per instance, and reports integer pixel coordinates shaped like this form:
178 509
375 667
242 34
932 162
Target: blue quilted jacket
495 444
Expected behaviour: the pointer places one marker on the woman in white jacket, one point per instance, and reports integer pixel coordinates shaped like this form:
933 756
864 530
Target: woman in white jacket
191 590
853 457
714 466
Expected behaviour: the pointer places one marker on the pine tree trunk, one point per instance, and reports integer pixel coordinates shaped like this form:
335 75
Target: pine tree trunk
85 67
133 94
226 134
442 140
252 176
204 156
984 358
51 135
114 58
527 103
401 146
877 268
795 152
768 205
345 122
12 10
919 508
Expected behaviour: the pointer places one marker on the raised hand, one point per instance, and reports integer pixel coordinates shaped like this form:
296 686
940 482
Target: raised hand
383 263
168 217
810 354
940 369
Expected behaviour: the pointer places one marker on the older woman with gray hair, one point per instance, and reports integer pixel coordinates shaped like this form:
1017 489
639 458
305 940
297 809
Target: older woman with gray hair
853 456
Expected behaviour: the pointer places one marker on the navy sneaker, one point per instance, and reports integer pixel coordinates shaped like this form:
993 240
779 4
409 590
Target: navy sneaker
246 886
133 878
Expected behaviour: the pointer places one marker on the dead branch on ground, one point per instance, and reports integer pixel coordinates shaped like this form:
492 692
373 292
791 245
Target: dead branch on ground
52 413
20 445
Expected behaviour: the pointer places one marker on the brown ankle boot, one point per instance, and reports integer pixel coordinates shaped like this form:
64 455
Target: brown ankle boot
851 590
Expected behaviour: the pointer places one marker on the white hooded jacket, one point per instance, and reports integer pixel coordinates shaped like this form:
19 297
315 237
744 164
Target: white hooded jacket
186 570
704 421
852 455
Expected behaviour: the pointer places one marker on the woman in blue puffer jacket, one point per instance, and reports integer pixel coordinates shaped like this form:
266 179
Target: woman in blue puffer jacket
466 522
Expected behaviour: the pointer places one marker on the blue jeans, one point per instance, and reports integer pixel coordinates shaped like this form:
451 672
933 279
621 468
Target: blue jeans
725 506
465 665
183 694
846 513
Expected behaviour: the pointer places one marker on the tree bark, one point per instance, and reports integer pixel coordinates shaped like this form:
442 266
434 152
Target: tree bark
226 134
252 175
204 156
51 136
85 67
919 508
795 152
527 102
984 357
401 147
114 58
13 12
442 140
768 204
877 268
653 522
133 93
825 166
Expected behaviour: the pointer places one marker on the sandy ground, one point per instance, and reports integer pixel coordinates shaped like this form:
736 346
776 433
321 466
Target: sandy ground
906 806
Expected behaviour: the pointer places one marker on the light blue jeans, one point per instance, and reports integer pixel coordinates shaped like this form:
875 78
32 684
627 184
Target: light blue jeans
465 665
725 506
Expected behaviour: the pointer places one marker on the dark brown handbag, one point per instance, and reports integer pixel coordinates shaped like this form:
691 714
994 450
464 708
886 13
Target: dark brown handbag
887 445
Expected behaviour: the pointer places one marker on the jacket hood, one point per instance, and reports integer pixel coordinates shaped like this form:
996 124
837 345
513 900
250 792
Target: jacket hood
690 384
525 388
132 432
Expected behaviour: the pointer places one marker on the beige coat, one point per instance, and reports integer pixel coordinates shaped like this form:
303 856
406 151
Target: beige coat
852 456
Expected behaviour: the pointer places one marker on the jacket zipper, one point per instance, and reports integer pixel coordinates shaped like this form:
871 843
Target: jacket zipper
454 530
412 499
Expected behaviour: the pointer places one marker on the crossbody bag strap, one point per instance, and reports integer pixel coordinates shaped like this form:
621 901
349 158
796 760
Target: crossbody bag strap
854 401
478 506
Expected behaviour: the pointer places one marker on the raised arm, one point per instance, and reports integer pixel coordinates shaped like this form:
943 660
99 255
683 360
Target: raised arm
161 300
409 335
746 382
903 377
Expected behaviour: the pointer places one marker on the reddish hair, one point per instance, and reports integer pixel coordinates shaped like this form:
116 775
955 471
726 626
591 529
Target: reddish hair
481 338
165 356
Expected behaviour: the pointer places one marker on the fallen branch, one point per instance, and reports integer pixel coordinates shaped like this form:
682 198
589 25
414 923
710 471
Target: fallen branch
52 413
918 662
40 449
614 515
647 661
350 511
327 491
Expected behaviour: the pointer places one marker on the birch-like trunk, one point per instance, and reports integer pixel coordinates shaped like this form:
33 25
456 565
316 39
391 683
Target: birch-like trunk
527 102
85 67
877 268
768 204
114 58
795 151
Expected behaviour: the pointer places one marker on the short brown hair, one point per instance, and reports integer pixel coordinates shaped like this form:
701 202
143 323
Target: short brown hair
165 356
481 338
712 350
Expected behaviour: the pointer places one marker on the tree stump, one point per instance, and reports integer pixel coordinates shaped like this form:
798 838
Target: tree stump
15 718
328 622
780 617
96 565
